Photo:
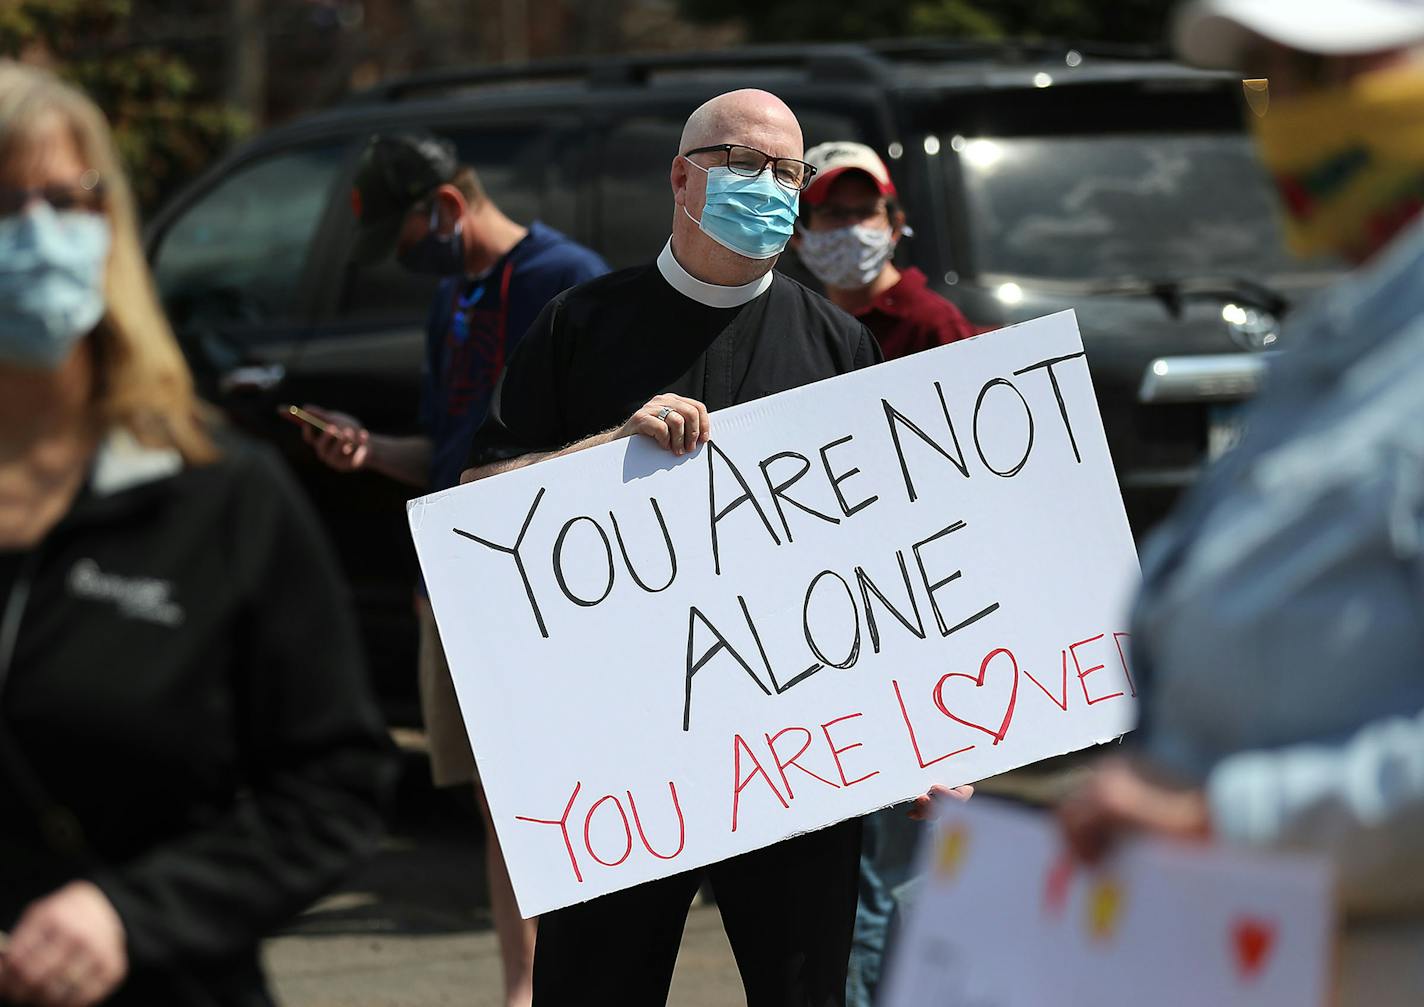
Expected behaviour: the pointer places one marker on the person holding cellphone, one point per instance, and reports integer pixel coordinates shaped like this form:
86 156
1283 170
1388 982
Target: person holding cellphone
415 200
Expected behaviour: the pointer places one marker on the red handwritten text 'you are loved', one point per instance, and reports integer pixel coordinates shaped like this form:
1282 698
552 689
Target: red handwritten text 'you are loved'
768 771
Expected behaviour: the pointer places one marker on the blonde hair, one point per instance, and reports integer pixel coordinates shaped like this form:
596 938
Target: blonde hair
142 382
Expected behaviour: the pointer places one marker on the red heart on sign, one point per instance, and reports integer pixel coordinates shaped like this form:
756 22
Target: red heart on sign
1254 940
978 680
1057 885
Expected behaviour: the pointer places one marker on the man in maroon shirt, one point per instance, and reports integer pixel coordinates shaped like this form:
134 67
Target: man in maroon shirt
850 223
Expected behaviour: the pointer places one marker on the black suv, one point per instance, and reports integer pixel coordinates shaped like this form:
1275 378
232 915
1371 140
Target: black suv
1036 178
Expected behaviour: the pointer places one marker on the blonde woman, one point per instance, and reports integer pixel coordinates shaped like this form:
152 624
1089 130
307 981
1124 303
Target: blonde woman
189 754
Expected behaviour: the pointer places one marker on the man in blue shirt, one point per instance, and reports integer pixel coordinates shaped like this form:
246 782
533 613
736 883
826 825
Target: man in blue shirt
413 197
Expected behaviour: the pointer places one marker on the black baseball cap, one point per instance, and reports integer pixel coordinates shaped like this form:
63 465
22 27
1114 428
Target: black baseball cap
396 171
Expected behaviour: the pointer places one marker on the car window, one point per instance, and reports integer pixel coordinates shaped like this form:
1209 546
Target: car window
1132 205
634 202
510 163
821 125
237 256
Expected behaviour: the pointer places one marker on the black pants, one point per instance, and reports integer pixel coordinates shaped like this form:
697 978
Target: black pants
789 911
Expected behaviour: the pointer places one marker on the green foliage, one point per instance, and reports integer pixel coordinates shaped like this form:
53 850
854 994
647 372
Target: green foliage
1130 21
165 127
950 19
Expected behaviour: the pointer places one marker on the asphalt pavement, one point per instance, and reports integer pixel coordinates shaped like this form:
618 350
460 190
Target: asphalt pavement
413 926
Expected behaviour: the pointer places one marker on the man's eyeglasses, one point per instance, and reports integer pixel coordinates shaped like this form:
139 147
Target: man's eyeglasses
86 195
750 162
836 215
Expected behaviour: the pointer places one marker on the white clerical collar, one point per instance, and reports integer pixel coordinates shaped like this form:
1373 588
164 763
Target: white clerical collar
711 294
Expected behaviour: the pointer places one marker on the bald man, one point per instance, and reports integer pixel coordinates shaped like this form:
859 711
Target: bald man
649 351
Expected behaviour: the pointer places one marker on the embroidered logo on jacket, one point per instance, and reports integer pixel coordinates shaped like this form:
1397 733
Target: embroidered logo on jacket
143 598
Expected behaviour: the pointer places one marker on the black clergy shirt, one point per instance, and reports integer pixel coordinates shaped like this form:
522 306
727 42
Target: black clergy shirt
599 351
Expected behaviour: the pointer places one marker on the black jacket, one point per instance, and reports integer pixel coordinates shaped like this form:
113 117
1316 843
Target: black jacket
599 351
187 684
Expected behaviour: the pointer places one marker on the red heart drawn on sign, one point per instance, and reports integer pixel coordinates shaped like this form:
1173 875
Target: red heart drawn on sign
978 680
1058 883
1254 939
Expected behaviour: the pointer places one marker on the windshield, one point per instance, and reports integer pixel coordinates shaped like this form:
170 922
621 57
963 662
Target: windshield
1120 206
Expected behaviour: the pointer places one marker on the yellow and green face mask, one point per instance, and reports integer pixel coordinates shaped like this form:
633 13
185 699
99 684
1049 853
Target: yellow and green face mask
1348 163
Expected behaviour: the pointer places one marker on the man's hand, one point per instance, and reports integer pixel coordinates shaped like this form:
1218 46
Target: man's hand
924 806
345 445
67 950
676 423
1118 799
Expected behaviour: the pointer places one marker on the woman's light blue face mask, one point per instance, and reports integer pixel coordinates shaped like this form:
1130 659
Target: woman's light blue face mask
753 216
52 268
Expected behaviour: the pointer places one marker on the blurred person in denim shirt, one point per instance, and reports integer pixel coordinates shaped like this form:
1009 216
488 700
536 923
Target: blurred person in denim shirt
1280 629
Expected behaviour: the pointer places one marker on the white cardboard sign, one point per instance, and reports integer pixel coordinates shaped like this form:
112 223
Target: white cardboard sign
914 573
1007 919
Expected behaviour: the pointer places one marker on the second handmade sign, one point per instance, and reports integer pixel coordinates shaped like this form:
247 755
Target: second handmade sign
1006 916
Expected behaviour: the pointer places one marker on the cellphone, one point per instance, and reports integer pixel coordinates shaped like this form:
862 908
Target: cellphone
299 415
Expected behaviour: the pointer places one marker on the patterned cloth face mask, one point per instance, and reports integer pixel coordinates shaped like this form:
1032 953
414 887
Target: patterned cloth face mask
849 257
1348 161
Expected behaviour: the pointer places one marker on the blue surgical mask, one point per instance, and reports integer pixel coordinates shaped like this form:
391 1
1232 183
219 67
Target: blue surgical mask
753 216
436 254
52 269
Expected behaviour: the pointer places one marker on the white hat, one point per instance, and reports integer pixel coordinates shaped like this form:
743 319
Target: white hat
1214 32
833 159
